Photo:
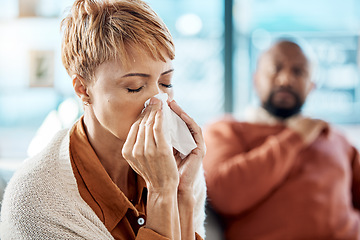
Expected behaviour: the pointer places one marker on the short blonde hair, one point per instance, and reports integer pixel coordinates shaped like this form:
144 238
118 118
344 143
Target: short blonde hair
96 31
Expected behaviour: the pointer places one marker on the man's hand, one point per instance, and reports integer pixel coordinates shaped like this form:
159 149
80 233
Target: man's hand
308 128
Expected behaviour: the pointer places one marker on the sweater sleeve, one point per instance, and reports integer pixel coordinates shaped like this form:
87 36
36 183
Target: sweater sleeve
28 214
237 178
200 198
41 201
356 179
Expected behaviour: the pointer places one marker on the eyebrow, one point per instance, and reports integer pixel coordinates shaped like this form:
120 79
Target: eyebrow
167 72
144 75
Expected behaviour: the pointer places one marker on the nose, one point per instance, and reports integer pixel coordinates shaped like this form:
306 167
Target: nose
155 89
285 78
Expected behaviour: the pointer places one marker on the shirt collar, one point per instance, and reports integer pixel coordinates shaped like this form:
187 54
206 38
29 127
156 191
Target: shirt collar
261 116
112 201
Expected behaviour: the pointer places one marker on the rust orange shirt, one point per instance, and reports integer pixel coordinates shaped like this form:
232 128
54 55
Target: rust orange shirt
123 218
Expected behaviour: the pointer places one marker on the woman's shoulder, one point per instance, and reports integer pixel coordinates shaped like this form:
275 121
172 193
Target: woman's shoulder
42 198
40 186
49 156
42 173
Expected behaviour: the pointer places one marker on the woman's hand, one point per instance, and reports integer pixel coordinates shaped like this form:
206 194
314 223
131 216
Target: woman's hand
188 169
190 165
147 151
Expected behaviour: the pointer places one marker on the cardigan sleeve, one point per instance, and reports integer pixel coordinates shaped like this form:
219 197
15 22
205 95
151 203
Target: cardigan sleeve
240 176
199 208
41 200
29 213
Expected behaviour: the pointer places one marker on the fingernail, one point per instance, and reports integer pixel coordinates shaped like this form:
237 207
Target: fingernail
153 101
170 102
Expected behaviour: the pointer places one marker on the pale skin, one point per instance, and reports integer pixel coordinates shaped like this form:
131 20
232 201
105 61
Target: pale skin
285 65
123 137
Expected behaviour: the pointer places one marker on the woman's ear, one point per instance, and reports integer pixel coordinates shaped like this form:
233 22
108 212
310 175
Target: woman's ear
80 87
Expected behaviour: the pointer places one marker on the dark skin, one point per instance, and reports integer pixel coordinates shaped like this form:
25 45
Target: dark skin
284 69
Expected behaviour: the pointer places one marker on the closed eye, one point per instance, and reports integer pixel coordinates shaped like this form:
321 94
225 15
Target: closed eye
166 85
135 90
298 71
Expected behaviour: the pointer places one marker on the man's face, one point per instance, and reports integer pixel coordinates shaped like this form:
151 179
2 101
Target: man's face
283 79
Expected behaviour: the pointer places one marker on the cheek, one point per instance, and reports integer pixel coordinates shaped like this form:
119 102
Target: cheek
302 90
133 110
117 114
263 90
126 110
170 92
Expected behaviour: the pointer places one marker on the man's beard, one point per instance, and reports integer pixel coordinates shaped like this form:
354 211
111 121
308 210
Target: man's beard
282 112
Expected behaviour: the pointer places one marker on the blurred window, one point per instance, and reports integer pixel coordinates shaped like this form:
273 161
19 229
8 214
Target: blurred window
34 83
197 28
329 31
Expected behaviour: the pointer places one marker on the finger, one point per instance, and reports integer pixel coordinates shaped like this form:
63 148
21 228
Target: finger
199 139
176 108
158 129
132 136
150 146
130 141
143 113
178 159
186 118
138 149
154 105
133 166
192 125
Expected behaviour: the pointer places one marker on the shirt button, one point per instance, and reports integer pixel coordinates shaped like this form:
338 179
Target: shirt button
141 221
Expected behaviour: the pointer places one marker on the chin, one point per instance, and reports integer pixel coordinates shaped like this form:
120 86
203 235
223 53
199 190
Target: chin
284 105
282 111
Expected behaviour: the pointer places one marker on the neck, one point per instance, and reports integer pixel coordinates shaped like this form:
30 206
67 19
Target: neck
107 147
261 116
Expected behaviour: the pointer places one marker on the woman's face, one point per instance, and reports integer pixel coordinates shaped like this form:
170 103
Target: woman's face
118 94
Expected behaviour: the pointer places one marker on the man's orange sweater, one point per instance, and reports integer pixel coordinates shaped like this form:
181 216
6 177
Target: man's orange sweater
266 185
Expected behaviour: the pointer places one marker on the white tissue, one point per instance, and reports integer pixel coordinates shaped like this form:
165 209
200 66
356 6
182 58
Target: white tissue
177 134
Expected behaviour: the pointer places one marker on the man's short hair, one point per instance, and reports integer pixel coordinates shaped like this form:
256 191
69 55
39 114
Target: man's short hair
96 31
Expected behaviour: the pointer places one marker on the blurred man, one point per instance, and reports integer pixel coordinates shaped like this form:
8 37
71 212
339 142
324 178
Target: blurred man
281 175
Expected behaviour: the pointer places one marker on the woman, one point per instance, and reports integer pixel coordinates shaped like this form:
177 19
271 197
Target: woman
113 175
